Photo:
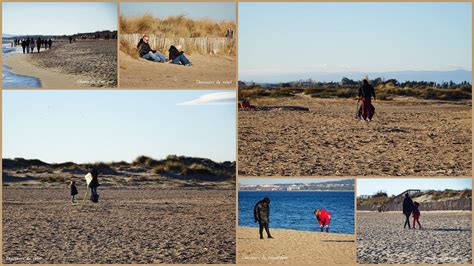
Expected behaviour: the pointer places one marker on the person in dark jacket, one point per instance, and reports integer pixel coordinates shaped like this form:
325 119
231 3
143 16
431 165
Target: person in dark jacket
407 210
50 44
73 191
261 213
366 92
23 45
93 185
145 51
38 44
177 57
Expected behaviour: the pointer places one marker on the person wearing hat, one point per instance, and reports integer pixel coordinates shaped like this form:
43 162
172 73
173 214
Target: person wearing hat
366 92
261 213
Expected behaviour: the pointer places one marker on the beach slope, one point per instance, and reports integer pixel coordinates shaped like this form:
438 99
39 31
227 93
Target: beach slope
294 247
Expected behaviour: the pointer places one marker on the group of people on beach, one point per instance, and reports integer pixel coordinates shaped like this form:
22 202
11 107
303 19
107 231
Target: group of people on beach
411 208
92 185
261 213
28 45
175 55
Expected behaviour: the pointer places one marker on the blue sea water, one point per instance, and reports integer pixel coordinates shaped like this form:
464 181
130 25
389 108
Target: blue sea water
12 80
294 210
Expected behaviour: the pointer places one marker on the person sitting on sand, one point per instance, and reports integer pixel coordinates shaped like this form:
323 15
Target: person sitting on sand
93 185
366 92
145 51
261 213
416 214
177 57
407 210
323 217
74 191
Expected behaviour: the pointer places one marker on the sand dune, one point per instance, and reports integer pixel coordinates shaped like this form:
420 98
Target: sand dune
128 225
406 138
206 72
294 247
446 238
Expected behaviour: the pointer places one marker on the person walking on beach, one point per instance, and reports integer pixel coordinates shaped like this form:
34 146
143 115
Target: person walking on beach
70 39
27 43
323 217
261 214
50 44
145 51
366 92
416 214
93 185
74 191
38 44
32 45
177 57
407 210
23 45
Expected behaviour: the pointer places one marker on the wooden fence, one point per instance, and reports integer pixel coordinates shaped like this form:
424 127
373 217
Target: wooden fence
199 45
464 204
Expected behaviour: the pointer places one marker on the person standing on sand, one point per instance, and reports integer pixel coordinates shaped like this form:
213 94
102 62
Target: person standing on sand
23 45
32 45
50 44
74 191
27 44
323 217
145 51
366 92
93 185
407 210
38 44
416 214
261 213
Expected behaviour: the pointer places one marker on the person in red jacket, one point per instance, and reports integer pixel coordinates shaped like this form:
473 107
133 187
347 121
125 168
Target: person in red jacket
416 214
323 217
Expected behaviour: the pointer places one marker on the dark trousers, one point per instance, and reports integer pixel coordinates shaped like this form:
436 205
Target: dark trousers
94 195
407 221
263 225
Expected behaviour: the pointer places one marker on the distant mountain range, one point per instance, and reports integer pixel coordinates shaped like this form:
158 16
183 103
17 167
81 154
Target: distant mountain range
409 75
339 185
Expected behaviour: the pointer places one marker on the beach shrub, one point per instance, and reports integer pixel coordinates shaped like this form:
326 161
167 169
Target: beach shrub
129 49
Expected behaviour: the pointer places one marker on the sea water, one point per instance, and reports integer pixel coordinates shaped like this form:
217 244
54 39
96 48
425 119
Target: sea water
295 210
12 80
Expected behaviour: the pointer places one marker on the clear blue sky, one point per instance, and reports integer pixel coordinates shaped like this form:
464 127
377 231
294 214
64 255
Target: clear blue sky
395 186
89 126
268 181
206 10
57 18
283 38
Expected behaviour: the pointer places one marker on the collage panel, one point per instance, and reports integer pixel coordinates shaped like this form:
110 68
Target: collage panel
136 176
59 45
414 220
158 38
296 221
340 95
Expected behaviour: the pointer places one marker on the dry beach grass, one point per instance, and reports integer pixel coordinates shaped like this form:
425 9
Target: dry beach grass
407 137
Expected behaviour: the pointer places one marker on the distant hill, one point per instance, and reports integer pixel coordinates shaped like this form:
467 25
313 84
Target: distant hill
339 185
408 75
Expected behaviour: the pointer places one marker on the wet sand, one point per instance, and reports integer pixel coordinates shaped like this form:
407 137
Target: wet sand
406 138
128 225
446 238
83 64
207 72
294 247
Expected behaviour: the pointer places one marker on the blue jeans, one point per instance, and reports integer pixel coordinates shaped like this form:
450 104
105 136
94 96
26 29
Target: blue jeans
156 57
94 193
181 58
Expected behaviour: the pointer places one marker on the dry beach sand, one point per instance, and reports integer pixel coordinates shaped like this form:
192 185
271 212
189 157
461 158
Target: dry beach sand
128 225
207 72
82 64
294 247
446 238
407 137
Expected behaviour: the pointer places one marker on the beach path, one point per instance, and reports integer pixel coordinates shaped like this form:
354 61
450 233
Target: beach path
206 72
294 247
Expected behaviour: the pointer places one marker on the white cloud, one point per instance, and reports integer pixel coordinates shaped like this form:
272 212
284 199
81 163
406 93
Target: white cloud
217 98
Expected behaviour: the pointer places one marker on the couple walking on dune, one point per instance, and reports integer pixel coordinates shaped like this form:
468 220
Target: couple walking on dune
175 56
411 208
261 213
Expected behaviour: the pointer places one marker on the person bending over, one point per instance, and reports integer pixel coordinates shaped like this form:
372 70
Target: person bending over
323 217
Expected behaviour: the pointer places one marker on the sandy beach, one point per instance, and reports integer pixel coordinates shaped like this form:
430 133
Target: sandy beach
207 72
407 137
294 247
446 238
128 225
82 64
